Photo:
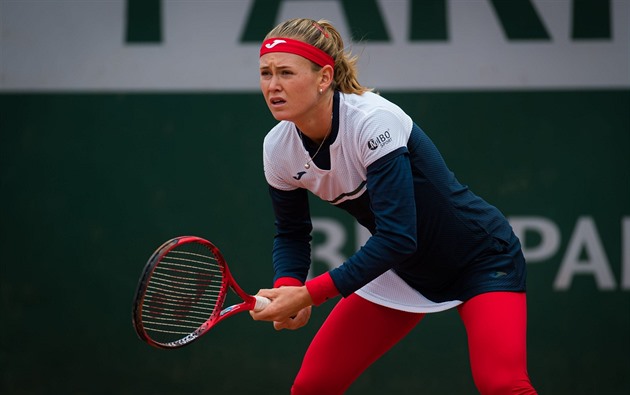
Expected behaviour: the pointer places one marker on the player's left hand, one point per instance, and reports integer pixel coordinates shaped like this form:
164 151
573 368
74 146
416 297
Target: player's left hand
296 322
290 307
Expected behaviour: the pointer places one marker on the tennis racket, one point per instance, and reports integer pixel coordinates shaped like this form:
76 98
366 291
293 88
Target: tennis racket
181 293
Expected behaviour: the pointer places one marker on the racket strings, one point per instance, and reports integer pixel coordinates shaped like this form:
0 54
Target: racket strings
183 292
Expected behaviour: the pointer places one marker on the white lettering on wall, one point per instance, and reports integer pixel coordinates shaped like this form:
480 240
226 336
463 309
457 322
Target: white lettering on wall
585 238
335 236
545 228
585 254
80 45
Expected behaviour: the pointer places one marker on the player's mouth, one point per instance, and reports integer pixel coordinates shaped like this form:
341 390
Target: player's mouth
276 101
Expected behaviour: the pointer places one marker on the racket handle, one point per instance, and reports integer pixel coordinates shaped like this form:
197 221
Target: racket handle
261 303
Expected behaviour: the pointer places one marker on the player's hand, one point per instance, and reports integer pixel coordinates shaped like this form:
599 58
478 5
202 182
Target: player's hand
296 322
290 307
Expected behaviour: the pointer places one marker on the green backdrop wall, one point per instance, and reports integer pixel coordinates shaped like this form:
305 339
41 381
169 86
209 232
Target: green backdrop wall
92 183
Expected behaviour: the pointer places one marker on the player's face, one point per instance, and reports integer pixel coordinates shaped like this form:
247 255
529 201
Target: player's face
289 85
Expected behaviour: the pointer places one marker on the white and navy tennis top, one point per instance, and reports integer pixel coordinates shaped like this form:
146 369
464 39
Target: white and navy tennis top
370 128
443 241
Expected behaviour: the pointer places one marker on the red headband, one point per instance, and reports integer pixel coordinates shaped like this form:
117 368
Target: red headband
281 44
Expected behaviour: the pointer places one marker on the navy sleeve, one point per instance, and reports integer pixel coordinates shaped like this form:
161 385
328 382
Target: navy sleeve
291 245
391 192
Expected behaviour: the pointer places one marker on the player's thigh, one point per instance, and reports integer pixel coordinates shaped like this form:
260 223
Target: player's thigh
356 333
496 325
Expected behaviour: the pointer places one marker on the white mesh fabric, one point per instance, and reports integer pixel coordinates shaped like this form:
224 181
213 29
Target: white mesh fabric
369 128
392 291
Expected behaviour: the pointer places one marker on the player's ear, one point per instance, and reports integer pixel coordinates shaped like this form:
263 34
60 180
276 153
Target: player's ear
326 77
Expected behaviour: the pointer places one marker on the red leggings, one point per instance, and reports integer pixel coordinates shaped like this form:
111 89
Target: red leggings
358 332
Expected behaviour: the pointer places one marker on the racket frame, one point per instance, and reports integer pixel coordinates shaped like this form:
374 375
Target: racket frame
218 314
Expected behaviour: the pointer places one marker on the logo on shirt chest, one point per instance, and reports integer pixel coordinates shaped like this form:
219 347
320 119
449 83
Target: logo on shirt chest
299 175
380 140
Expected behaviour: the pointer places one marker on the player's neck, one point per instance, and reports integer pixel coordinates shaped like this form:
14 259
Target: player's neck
317 125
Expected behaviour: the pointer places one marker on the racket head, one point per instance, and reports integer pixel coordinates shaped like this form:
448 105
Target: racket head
180 293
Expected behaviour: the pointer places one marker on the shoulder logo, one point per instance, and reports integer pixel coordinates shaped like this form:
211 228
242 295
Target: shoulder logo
274 43
380 140
299 175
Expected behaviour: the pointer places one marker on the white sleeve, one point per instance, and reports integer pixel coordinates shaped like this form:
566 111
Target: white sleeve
382 132
272 165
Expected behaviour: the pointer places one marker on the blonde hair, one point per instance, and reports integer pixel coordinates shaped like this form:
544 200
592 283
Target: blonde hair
323 35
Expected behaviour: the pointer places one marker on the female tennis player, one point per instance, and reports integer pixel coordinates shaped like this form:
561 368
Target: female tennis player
434 244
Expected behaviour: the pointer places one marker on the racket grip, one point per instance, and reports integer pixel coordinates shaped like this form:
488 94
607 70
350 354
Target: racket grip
261 303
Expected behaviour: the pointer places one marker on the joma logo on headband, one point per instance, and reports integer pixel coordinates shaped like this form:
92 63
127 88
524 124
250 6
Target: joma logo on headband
274 43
